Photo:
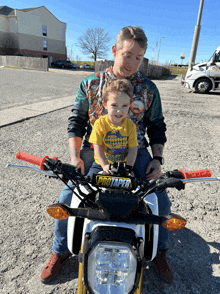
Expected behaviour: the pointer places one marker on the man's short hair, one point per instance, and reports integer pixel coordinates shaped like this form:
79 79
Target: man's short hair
132 33
117 86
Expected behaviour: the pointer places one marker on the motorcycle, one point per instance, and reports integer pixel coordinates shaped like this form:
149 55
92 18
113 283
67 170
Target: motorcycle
119 221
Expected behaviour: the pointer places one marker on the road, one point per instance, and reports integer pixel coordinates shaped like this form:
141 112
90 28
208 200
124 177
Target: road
33 92
26 232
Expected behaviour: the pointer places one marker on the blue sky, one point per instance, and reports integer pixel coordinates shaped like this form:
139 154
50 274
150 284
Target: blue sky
174 20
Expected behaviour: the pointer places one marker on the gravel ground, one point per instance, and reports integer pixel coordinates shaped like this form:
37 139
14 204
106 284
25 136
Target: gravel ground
26 233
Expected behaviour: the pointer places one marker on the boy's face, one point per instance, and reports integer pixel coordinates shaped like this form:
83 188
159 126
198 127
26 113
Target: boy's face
117 107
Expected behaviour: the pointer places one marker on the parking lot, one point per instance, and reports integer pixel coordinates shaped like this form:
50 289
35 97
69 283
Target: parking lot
26 232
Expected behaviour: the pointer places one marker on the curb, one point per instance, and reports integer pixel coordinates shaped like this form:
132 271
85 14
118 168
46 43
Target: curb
18 114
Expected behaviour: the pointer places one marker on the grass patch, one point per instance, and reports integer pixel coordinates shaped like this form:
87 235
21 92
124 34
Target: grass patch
174 70
6 66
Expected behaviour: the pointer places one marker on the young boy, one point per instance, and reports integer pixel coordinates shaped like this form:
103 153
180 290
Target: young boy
113 135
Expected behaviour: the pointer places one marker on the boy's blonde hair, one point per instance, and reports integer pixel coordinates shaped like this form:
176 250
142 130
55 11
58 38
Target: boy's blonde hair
117 86
132 33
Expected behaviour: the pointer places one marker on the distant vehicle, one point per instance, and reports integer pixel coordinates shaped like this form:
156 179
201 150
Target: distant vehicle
75 65
85 66
204 76
64 64
179 65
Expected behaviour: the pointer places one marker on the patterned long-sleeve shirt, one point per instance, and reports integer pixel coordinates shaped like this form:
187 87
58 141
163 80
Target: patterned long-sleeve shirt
145 110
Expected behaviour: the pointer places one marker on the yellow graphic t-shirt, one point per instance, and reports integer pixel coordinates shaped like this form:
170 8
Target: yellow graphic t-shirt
115 141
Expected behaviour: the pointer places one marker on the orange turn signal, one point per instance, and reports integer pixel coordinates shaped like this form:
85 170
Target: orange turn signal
174 223
58 211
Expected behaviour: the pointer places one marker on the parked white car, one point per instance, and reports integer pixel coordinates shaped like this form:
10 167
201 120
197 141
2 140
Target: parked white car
85 66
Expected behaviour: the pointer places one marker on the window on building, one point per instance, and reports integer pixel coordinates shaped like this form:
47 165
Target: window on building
44 30
45 44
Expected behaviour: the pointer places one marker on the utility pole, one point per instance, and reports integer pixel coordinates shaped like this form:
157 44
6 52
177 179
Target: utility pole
156 49
71 54
196 35
159 50
152 57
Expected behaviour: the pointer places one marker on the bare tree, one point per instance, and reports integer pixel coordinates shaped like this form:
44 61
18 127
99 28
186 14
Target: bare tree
94 41
8 44
70 55
78 58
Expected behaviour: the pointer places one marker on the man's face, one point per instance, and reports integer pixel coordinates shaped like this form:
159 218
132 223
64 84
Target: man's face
127 59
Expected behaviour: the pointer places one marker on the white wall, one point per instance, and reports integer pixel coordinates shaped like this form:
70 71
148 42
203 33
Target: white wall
13 24
8 24
2 23
31 23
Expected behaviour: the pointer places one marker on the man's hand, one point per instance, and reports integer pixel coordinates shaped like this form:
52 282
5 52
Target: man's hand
78 163
75 144
106 169
153 170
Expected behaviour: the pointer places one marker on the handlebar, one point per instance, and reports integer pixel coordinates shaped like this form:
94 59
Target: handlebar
196 174
70 172
32 158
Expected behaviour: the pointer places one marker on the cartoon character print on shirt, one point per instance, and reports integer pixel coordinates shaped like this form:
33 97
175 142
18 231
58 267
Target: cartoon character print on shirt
141 101
115 146
94 93
94 96
96 108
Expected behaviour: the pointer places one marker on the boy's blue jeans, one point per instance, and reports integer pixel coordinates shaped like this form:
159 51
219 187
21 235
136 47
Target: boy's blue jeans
141 163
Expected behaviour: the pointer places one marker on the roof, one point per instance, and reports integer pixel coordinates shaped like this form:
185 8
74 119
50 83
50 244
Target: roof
28 9
5 10
33 8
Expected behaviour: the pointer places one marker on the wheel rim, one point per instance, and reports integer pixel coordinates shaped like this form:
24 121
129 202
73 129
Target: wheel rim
203 86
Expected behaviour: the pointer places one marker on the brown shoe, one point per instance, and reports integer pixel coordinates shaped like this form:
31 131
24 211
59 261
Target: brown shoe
162 267
53 267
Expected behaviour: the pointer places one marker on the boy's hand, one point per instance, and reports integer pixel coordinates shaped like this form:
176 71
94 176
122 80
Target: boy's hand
106 169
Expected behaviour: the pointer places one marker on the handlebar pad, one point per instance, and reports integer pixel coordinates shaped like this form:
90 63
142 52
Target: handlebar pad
196 174
31 158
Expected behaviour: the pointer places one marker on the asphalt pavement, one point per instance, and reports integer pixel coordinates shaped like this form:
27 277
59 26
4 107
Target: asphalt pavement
22 99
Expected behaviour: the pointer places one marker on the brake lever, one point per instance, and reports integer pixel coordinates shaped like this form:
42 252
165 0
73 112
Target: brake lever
170 183
173 174
162 184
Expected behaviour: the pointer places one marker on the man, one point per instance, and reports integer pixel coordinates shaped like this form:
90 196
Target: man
145 111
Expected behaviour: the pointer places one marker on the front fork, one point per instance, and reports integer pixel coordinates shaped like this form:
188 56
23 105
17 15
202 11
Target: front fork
81 287
138 291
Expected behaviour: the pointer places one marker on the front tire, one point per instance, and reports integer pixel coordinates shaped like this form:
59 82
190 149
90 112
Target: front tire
203 86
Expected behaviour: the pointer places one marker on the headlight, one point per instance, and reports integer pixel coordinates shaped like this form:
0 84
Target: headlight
111 268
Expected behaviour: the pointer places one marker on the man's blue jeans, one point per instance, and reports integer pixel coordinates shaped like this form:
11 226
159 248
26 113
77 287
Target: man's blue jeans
141 163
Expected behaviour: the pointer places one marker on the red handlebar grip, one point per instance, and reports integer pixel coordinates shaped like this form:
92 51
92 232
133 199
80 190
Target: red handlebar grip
31 158
204 173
